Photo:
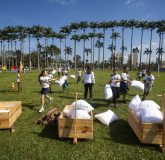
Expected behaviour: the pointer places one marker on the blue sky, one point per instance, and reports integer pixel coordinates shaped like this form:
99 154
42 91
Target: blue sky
57 13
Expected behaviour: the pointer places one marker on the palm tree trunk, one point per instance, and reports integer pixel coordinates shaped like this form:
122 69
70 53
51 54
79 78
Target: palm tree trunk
150 49
1 55
131 50
30 65
45 54
65 49
15 48
103 48
122 48
4 54
159 48
75 55
162 48
60 51
91 51
12 62
84 54
141 48
38 48
47 60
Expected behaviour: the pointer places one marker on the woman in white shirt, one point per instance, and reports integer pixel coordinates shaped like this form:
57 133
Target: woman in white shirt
89 81
44 81
115 85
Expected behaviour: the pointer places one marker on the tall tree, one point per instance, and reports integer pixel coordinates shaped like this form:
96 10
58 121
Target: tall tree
68 51
147 52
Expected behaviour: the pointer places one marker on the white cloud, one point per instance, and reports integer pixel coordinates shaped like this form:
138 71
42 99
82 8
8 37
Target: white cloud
135 3
154 45
63 2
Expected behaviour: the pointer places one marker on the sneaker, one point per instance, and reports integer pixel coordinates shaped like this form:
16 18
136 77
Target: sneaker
51 98
41 109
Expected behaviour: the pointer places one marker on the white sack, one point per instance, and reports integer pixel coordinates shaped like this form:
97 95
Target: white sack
72 76
54 71
60 82
83 105
138 85
108 92
133 105
106 117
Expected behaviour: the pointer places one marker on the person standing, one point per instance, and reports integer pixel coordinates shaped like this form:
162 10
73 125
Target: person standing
148 83
115 86
124 82
89 81
19 82
78 76
44 81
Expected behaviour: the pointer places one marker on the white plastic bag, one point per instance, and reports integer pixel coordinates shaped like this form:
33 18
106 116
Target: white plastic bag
106 117
83 105
108 92
60 82
54 71
72 76
138 85
133 105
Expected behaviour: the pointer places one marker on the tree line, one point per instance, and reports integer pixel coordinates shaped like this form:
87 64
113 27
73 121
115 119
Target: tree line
46 53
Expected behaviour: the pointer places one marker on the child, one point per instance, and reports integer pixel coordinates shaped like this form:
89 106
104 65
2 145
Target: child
44 81
78 76
124 82
89 81
65 84
148 83
115 85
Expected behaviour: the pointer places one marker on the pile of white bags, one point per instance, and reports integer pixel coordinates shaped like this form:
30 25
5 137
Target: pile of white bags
106 117
108 92
138 85
82 110
147 111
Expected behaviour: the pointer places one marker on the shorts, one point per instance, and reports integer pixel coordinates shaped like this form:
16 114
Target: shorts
44 91
123 87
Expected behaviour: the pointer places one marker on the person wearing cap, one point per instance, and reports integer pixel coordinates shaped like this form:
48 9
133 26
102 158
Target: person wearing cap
89 81
148 83
115 86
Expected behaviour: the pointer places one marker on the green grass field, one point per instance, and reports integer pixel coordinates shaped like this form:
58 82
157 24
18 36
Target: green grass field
31 141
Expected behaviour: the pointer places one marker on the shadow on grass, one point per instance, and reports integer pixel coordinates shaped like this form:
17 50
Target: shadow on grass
30 105
67 97
120 132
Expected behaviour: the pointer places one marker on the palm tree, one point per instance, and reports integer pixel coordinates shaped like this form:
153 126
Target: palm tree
160 52
84 37
37 32
147 52
93 25
66 31
87 51
21 31
83 25
68 51
99 45
123 23
91 36
60 36
131 24
112 48
151 26
76 39
142 25
104 26
114 36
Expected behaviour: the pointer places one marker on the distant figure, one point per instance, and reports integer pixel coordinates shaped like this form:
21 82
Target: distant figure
50 75
44 80
78 76
139 75
115 85
59 71
148 83
19 82
124 82
65 84
89 81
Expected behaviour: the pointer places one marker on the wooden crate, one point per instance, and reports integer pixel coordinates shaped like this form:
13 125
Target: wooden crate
150 133
9 113
67 128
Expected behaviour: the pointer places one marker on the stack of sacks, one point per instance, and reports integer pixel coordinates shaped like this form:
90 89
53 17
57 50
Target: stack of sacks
108 92
82 111
138 85
106 117
72 76
61 81
147 111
